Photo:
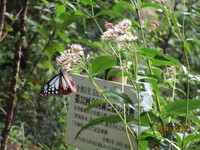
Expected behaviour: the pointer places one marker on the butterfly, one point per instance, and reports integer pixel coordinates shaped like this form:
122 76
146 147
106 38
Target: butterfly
59 84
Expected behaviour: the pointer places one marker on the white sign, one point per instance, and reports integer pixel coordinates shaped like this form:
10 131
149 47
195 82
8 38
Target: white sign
104 136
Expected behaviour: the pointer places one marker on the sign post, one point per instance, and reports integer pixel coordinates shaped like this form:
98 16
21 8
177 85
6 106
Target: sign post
105 136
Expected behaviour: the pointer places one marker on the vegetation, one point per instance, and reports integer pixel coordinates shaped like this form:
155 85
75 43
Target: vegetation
154 43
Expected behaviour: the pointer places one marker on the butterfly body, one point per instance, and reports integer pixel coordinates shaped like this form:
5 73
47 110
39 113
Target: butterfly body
59 84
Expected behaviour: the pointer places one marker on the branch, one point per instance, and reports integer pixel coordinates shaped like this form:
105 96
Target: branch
2 15
10 102
1 39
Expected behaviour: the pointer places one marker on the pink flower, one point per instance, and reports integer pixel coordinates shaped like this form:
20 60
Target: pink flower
109 26
156 23
70 57
108 35
163 33
148 30
125 24
172 69
154 26
142 21
76 47
126 38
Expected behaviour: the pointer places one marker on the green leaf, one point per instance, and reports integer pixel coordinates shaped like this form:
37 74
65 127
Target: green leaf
111 73
45 18
60 10
178 138
94 44
154 84
192 138
120 6
194 118
153 5
165 61
107 119
58 47
46 64
151 53
70 19
179 107
101 63
145 118
157 71
89 2
49 52
94 104
117 95
109 13
186 45
174 19
161 144
143 144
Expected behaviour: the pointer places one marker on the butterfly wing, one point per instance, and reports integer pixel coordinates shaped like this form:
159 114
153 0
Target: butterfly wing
59 84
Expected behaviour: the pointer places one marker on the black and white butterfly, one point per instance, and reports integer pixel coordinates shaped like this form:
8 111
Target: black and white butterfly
59 84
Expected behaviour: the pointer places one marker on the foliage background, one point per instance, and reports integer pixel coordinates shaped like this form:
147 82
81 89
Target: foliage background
51 27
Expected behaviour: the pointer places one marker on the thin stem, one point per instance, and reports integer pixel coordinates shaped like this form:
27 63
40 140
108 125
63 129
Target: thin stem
96 20
1 39
188 83
138 97
187 97
174 88
104 96
2 15
124 108
127 133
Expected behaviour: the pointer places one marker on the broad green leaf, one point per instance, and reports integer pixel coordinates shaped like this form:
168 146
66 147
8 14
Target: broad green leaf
151 53
102 63
49 52
120 6
111 73
62 35
153 5
94 104
165 61
89 2
117 95
179 107
46 64
60 10
70 19
109 13
157 71
143 144
186 45
107 119
145 120
58 47
94 44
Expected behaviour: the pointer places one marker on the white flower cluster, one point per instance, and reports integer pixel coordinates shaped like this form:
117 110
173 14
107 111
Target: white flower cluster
70 57
119 33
